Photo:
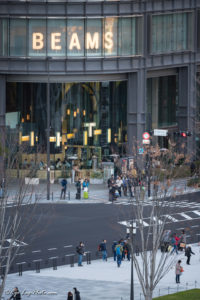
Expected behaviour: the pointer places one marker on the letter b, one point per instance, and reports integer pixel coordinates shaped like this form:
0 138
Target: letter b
38 41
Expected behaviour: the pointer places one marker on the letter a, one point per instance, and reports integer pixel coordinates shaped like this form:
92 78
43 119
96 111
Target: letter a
74 42
38 40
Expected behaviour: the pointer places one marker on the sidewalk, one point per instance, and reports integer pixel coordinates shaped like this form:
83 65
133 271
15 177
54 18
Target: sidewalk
98 193
102 280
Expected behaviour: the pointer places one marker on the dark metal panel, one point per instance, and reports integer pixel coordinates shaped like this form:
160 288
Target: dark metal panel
3 65
124 63
75 9
18 8
162 72
75 66
37 9
110 8
93 65
3 8
167 5
125 8
110 64
56 9
19 66
36 66
56 66
93 9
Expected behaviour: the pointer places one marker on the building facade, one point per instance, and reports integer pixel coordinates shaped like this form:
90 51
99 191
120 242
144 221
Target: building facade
82 79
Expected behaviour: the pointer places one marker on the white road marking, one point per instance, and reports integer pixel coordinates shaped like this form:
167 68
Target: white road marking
144 223
68 246
185 216
51 249
36 251
196 212
171 218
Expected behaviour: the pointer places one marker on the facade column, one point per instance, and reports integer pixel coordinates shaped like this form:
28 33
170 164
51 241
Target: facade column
2 125
136 105
187 103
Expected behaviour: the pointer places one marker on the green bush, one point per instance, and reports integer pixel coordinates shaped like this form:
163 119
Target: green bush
187 295
96 175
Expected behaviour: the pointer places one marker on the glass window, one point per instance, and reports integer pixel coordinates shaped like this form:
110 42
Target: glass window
93 36
37 37
75 37
3 37
110 36
171 32
56 36
17 37
125 36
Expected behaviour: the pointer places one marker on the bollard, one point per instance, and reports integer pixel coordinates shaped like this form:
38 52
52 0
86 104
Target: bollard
55 264
88 258
20 269
72 260
52 196
186 286
69 195
37 266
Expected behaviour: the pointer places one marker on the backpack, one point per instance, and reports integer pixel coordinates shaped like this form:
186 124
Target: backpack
99 247
118 250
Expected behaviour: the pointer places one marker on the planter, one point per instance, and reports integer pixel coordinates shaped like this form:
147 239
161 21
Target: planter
96 180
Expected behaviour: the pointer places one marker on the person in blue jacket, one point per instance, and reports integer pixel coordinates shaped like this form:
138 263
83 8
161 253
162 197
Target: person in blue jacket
103 250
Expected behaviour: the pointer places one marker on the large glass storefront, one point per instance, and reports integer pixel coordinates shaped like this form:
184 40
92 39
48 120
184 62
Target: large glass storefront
87 120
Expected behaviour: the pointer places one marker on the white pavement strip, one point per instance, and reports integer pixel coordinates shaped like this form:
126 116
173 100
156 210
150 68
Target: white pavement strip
185 217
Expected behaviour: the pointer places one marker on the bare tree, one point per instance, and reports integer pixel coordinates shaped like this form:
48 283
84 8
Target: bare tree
13 227
159 166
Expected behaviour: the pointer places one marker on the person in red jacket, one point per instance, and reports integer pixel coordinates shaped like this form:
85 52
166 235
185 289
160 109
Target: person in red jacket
175 242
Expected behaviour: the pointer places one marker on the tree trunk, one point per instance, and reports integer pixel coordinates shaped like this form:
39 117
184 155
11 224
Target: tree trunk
148 295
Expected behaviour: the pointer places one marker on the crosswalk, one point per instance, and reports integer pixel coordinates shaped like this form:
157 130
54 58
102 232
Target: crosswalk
175 218
148 202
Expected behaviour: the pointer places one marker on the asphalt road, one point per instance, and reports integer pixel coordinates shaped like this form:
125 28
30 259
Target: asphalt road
52 231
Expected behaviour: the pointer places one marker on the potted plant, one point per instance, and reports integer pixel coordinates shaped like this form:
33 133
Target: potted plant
96 177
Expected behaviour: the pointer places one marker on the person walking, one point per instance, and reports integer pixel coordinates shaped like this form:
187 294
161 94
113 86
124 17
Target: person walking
178 271
76 294
119 250
80 251
78 187
15 294
70 296
64 188
114 250
119 184
174 242
182 242
103 250
188 252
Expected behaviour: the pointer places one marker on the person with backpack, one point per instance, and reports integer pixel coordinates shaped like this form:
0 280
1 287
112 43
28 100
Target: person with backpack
174 242
119 250
64 188
188 252
80 252
114 250
103 249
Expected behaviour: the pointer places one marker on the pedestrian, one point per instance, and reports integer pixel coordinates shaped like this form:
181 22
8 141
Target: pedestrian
182 242
124 185
85 188
110 181
78 187
76 294
188 252
119 250
127 250
113 250
174 242
178 271
119 184
70 296
80 251
64 188
15 294
103 250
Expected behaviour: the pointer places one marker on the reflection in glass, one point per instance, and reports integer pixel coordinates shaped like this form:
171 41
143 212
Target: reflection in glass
18 37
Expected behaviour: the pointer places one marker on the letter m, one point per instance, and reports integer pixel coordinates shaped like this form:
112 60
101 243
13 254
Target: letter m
92 43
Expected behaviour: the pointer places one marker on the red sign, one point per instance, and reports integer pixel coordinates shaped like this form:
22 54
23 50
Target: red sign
146 135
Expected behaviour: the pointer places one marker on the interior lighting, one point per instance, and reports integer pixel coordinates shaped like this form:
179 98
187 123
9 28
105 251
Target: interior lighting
85 138
78 110
32 140
68 111
22 120
97 132
75 114
28 117
25 138
58 139
70 136
109 135
84 112
52 139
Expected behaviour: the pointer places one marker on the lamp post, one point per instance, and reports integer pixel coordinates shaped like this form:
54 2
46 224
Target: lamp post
48 133
131 230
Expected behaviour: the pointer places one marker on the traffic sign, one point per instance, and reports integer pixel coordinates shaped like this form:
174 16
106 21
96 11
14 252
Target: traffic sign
146 135
146 142
160 132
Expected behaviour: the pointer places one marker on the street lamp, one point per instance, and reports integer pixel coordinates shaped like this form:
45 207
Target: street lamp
131 230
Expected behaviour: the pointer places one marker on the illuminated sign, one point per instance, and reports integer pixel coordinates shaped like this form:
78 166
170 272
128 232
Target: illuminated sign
92 41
